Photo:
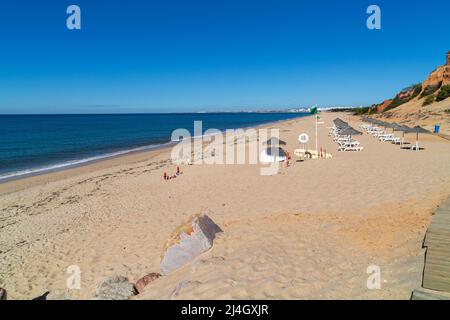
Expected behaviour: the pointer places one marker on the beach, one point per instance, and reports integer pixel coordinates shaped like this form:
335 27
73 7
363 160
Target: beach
309 232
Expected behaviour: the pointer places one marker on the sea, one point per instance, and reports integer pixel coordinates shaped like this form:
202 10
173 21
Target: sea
35 144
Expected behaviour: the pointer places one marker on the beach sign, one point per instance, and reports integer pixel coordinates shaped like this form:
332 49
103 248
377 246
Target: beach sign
303 138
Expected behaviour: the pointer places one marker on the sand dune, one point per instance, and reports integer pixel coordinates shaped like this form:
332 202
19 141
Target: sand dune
309 232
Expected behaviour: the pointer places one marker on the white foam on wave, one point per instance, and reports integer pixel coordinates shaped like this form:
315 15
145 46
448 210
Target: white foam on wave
73 163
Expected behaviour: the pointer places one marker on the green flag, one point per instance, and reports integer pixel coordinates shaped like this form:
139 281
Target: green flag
313 110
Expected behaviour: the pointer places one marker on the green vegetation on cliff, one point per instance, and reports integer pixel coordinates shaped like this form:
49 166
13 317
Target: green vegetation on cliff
429 100
444 93
404 97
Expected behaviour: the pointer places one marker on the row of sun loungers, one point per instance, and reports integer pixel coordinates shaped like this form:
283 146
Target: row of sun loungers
344 140
373 127
383 136
342 134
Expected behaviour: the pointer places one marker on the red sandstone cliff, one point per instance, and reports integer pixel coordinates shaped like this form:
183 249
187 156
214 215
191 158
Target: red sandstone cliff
409 107
435 81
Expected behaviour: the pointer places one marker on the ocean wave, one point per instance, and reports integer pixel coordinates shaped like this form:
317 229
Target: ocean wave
74 163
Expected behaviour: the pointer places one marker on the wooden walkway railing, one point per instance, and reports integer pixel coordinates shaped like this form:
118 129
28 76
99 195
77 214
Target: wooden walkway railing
436 274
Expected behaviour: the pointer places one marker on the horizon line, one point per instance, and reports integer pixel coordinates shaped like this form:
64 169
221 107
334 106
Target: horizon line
290 110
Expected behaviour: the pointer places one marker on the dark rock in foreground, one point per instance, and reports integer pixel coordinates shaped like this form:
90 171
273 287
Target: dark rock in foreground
3 294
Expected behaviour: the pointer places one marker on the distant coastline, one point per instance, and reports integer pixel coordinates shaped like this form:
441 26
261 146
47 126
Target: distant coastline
299 110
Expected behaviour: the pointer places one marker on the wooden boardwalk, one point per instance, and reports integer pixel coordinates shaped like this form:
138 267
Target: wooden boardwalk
436 274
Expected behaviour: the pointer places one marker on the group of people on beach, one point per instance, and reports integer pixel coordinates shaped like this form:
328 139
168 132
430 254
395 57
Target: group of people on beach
288 158
177 173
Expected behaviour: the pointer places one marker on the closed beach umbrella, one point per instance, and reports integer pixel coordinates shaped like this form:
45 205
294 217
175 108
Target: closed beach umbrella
276 152
275 142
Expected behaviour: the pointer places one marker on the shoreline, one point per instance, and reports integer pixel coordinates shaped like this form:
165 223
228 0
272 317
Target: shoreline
79 163
35 178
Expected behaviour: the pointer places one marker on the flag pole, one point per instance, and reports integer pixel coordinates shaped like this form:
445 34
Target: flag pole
316 115
317 142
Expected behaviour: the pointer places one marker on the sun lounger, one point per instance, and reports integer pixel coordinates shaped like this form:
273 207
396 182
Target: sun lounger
384 135
378 134
352 143
358 149
387 138
342 139
374 130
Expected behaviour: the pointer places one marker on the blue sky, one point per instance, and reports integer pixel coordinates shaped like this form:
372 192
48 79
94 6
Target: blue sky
180 56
